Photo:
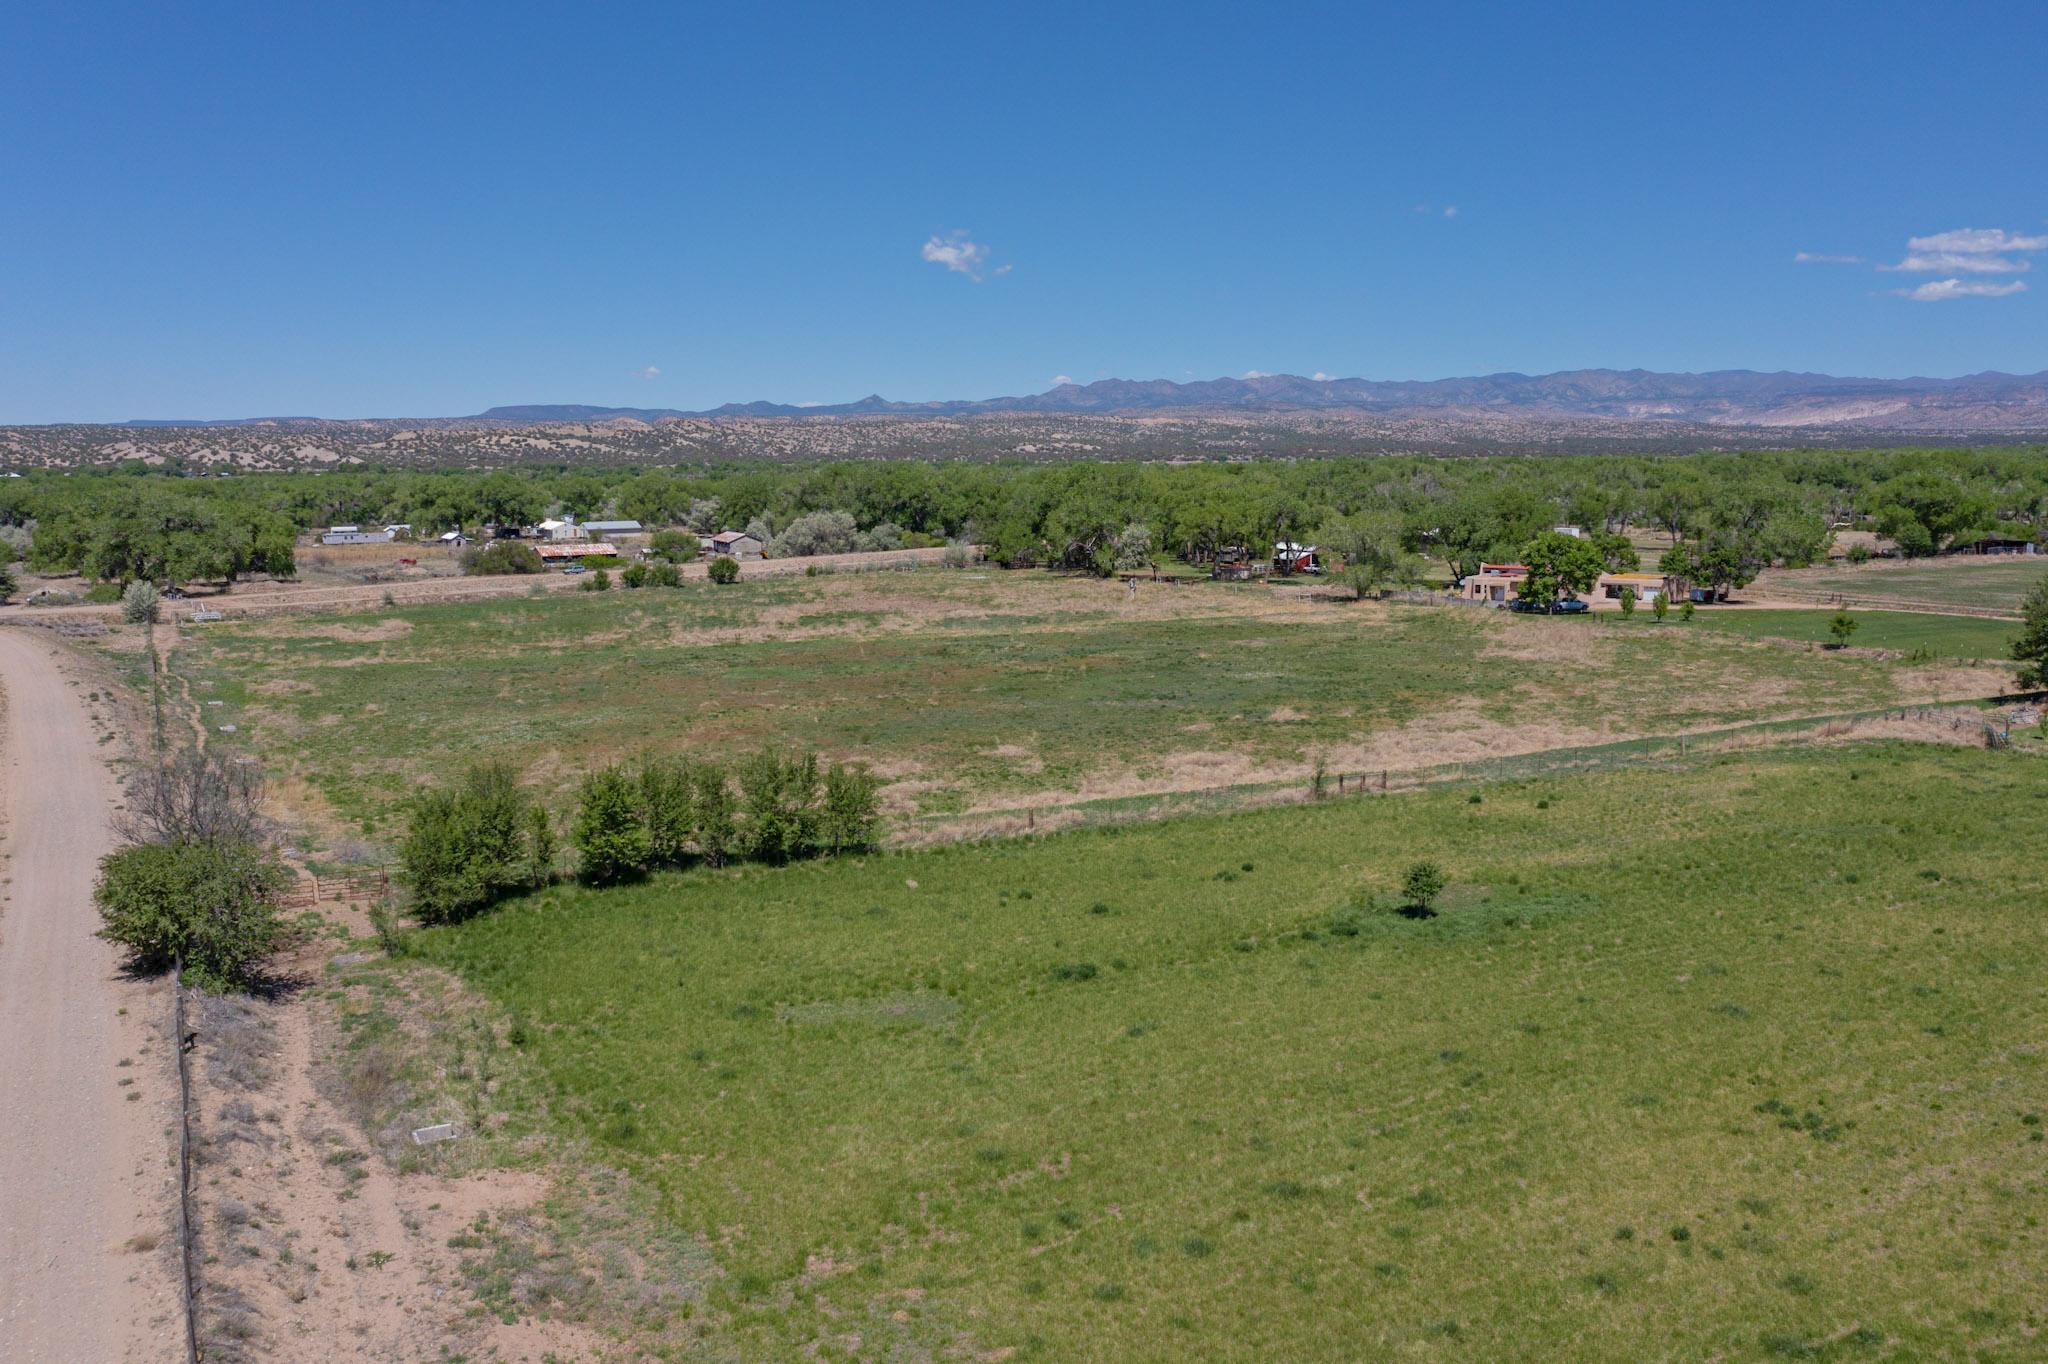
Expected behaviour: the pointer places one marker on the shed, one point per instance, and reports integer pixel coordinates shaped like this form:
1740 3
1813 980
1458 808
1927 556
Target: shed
737 544
601 529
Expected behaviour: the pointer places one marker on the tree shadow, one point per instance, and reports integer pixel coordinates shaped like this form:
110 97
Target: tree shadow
1416 912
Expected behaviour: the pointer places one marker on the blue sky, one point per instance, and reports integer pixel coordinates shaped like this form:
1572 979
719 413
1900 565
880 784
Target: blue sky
219 209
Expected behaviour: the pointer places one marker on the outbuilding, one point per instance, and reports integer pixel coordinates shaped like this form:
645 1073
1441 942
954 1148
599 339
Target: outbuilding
737 544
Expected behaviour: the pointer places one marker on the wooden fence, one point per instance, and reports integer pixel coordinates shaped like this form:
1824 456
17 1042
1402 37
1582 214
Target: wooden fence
312 890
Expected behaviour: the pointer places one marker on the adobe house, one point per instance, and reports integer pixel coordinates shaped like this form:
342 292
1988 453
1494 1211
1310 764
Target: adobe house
1493 583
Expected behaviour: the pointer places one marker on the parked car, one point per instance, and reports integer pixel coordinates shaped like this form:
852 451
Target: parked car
173 594
1568 606
574 568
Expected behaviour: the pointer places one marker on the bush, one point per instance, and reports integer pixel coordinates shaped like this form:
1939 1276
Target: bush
780 799
663 575
138 603
675 546
1628 601
600 581
472 844
392 934
1421 886
215 905
500 558
610 833
711 809
597 563
9 584
2030 650
196 797
852 810
725 569
819 532
1842 627
668 809
635 576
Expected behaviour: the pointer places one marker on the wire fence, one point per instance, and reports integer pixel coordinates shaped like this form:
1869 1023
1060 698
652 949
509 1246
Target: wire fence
1667 751
182 1038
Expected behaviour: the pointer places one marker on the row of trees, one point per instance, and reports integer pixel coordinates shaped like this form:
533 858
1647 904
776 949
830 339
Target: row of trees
1776 505
472 843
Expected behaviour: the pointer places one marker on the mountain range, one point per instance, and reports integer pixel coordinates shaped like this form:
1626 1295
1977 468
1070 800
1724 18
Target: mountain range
1720 397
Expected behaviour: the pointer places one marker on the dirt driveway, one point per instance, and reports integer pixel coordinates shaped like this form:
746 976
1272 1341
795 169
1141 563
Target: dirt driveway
88 1267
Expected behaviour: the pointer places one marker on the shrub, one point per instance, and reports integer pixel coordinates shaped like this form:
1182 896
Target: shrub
472 844
1423 883
663 575
1661 607
599 581
500 558
9 584
1841 627
138 603
103 594
635 576
725 569
392 934
196 797
215 905
667 806
610 834
1628 601
2030 650
711 809
674 546
780 799
1686 608
596 563
852 814
818 532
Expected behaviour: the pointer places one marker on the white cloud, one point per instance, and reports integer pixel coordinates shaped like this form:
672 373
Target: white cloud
1963 262
958 253
1256 374
649 373
1059 379
1822 258
1976 241
1937 290
1321 377
1450 210
1003 269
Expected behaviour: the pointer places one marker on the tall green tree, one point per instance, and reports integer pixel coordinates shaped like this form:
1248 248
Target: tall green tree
1559 565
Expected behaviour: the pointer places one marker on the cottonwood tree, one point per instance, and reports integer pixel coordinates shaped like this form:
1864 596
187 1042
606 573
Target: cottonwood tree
1559 564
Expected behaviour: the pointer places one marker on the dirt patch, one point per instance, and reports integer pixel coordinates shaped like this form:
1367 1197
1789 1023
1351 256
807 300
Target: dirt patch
314 1244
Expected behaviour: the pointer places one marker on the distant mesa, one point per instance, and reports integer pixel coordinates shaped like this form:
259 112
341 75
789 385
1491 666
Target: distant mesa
1721 397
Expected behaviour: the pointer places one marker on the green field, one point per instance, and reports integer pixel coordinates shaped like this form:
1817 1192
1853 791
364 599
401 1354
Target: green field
1904 632
1742 1061
1997 583
971 690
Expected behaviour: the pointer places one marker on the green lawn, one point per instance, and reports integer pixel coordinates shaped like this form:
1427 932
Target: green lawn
972 688
1744 1061
1902 631
1996 582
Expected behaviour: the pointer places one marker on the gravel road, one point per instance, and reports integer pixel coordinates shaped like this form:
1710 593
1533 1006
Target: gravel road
87 1264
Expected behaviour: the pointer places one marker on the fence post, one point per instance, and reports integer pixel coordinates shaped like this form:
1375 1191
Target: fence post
1383 781
316 888
1340 783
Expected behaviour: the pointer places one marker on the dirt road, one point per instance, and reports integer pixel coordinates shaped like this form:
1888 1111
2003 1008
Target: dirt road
87 1262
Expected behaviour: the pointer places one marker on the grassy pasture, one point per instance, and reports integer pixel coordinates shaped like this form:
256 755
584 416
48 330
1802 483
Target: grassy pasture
1741 1061
1994 583
972 691
1900 631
